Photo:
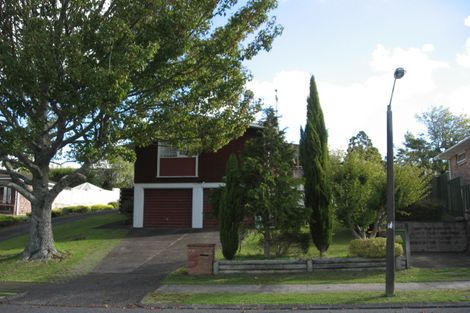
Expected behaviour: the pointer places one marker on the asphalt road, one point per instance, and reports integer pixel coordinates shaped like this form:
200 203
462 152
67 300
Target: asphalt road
58 309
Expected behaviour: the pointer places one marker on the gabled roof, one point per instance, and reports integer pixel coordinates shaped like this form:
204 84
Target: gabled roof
459 147
87 187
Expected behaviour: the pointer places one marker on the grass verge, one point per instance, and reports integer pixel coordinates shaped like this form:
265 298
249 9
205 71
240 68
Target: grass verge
310 298
334 277
84 242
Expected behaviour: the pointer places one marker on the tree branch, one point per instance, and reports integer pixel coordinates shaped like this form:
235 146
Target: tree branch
24 191
68 180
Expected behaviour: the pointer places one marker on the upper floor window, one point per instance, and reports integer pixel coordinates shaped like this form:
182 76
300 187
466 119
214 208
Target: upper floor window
461 158
175 163
166 151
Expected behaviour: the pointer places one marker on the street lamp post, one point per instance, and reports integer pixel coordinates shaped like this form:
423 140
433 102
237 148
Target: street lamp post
390 266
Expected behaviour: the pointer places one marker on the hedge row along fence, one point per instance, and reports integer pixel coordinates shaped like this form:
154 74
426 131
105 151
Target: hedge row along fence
299 266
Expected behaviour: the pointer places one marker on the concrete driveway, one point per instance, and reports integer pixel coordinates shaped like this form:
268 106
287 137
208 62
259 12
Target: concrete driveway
134 268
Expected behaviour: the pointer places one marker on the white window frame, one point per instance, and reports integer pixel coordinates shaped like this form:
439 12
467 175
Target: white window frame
179 154
463 160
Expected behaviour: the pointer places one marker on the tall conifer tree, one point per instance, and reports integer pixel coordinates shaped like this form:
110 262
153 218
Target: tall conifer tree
314 160
230 209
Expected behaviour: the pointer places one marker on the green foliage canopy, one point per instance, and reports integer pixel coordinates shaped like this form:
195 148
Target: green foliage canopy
359 185
443 130
77 78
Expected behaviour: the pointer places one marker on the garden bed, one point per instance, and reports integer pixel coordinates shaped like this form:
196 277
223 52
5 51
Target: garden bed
309 265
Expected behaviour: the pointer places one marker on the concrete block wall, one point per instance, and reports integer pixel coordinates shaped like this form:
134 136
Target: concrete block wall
437 237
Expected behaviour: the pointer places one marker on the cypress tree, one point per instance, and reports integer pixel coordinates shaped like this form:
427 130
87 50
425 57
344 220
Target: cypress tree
314 160
230 209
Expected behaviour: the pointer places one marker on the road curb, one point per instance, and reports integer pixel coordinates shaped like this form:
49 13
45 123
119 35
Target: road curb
256 307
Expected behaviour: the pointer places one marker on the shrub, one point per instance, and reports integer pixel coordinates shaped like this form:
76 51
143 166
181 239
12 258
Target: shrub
372 248
126 203
114 204
428 210
55 213
75 209
81 209
7 220
126 208
294 241
100 207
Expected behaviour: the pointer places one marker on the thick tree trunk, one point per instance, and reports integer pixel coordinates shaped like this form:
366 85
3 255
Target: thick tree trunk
41 241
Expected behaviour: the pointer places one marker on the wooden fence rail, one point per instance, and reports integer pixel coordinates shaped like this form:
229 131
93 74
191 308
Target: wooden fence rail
298 266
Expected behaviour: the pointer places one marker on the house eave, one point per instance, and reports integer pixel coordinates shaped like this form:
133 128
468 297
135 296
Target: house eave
455 149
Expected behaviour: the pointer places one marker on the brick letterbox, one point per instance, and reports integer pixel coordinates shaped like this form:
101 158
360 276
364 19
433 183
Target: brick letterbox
200 259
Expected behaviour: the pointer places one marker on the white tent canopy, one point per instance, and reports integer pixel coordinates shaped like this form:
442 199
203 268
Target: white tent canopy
85 194
88 187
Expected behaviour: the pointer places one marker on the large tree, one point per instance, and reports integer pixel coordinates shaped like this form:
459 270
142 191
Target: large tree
314 160
443 130
362 144
359 188
78 77
271 193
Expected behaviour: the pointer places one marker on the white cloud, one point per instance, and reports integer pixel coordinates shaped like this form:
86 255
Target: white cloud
428 47
464 58
362 105
292 88
466 21
458 100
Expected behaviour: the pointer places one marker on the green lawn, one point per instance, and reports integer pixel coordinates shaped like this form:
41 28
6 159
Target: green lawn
310 298
334 277
84 242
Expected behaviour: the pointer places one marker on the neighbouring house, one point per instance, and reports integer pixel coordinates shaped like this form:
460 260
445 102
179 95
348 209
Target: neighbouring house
458 157
11 201
171 189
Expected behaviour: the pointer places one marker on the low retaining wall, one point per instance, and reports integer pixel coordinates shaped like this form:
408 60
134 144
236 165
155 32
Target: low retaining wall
296 266
436 237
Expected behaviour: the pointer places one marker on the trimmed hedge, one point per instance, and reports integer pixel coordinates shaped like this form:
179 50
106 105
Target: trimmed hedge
7 220
80 209
372 248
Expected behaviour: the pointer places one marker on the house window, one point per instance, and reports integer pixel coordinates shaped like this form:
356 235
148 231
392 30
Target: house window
6 195
461 158
175 163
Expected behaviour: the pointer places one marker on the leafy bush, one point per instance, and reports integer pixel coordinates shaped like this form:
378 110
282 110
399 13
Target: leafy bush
75 209
372 248
79 209
295 241
126 208
100 207
54 213
428 210
114 204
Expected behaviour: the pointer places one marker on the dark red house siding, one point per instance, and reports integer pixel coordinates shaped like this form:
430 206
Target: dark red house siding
177 166
211 164
168 208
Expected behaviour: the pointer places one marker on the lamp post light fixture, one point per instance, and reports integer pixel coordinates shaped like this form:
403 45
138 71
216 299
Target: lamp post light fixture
390 265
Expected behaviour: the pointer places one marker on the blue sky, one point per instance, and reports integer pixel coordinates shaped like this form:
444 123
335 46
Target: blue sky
352 47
